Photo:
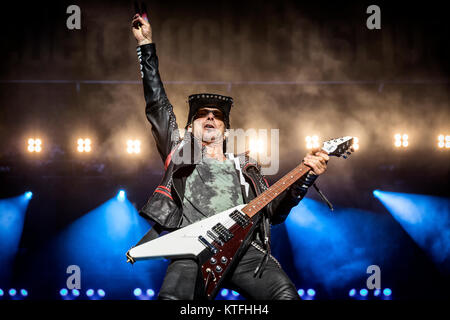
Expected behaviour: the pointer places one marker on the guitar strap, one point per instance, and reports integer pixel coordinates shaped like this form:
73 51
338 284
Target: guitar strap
152 234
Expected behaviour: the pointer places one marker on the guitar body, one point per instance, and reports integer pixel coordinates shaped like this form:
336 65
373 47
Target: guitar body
217 241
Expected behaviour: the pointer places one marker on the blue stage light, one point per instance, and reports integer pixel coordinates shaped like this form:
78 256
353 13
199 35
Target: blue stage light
76 292
376 193
301 292
363 292
101 293
425 218
387 292
311 292
150 292
1 293
28 195
352 292
90 292
12 292
224 292
23 292
63 292
377 292
107 230
234 293
137 292
121 195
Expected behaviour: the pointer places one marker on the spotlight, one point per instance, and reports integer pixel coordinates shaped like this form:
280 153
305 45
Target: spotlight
90 292
1 293
256 146
75 292
133 146
443 141
63 292
387 292
355 143
352 292
401 140
12 292
376 193
121 195
363 292
137 292
28 195
312 142
101 293
311 292
150 292
301 292
24 292
234 293
34 145
224 292
377 292
84 145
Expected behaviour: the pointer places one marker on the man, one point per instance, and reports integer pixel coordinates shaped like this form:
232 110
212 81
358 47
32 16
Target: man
205 185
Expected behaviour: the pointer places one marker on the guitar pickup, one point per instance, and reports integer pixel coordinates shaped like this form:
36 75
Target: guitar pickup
222 232
240 218
207 244
214 237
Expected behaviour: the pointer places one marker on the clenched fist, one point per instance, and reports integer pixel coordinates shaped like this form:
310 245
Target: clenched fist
142 30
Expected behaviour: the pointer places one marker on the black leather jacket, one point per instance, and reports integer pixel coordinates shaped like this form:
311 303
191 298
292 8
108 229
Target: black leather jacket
164 207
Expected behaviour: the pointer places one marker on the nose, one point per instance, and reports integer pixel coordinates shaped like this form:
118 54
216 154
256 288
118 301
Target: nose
210 115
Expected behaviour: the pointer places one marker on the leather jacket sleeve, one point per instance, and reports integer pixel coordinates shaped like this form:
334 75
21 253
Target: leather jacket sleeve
280 207
158 109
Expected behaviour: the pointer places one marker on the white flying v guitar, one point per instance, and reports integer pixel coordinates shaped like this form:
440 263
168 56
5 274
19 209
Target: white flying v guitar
216 241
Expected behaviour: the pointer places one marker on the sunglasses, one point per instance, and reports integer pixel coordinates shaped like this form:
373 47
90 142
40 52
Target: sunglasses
202 113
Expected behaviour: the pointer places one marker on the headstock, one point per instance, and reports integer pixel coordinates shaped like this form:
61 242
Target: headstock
339 147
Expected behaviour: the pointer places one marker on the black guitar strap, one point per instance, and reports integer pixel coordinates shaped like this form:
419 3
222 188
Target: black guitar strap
152 234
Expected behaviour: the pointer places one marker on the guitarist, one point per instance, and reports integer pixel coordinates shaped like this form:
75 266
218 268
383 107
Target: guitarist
210 181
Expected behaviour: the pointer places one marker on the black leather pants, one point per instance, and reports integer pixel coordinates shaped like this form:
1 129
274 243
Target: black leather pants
183 280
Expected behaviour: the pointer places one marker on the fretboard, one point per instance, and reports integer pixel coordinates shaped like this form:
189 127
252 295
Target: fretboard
275 190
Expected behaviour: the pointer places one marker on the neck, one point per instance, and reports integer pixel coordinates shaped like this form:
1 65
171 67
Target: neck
214 151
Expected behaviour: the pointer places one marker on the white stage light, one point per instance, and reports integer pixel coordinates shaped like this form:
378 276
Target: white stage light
34 145
401 140
312 142
84 145
133 146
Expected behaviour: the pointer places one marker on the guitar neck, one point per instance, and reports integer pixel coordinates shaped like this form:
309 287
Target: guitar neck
254 206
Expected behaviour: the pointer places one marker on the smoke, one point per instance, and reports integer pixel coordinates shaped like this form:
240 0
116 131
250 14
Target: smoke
288 66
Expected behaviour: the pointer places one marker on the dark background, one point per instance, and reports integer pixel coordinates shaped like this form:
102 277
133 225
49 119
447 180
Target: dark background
301 67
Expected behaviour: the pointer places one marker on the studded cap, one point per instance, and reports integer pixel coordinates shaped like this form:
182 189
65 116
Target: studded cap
200 100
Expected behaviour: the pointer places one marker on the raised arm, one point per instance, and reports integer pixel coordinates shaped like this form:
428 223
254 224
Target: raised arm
158 109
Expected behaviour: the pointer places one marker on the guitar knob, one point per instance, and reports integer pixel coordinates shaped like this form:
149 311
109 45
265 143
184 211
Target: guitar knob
213 260
223 260
218 268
